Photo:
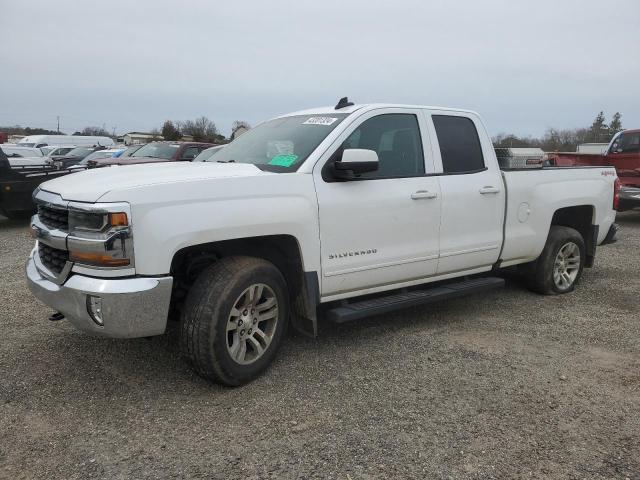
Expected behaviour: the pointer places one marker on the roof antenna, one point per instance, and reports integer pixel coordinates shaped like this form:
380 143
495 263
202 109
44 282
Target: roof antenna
344 102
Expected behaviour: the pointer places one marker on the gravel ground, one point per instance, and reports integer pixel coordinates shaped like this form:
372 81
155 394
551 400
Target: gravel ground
505 385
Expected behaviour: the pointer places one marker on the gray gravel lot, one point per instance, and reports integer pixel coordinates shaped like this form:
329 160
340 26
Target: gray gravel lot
504 385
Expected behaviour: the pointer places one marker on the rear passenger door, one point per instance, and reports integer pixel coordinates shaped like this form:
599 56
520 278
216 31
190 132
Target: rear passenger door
473 196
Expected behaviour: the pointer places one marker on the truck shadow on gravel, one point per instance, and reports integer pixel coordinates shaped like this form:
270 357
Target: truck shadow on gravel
155 364
9 223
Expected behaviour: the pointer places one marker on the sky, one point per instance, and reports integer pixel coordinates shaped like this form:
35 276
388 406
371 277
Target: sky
524 65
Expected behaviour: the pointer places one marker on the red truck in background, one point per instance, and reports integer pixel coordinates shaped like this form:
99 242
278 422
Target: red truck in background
623 153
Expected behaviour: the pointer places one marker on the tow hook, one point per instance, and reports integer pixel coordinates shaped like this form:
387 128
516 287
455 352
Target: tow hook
56 317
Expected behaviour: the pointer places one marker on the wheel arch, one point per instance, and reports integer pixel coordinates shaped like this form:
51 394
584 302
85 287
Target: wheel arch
580 218
283 251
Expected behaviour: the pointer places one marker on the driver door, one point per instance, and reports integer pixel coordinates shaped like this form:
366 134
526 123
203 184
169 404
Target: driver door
381 229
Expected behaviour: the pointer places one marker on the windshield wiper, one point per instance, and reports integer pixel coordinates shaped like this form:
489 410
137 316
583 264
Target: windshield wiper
226 161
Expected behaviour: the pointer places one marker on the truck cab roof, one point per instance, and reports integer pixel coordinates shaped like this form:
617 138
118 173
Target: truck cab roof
365 107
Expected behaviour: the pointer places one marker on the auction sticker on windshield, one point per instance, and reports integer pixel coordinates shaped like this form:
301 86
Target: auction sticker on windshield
283 160
319 121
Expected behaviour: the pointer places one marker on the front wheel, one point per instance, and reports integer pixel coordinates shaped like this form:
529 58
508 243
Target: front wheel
560 265
234 319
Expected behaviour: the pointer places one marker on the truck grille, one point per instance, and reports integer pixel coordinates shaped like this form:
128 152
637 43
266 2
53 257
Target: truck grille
52 258
55 218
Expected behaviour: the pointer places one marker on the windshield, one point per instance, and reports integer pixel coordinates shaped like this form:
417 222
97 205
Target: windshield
205 155
98 154
131 150
21 151
79 152
282 144
157 150
46 150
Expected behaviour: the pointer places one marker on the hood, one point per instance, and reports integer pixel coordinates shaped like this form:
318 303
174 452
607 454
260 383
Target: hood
90 185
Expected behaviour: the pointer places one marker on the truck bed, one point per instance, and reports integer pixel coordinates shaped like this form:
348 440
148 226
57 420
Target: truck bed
534 194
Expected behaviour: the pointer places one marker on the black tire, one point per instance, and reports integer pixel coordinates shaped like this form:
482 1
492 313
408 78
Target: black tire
541 276
203 330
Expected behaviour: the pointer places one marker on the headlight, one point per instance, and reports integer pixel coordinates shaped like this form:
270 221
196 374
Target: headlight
81 221
100 238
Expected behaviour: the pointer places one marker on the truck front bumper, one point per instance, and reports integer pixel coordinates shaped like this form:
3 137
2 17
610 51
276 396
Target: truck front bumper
629 198
129 307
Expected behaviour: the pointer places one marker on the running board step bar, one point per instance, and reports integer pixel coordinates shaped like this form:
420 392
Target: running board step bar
389 303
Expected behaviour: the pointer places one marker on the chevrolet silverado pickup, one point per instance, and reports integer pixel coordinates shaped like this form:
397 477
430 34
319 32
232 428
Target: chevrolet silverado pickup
623 153
340 212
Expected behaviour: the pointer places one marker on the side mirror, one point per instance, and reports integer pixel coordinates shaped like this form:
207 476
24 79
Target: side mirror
355 161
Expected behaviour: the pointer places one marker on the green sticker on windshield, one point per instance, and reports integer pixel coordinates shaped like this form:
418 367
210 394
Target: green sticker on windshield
283 160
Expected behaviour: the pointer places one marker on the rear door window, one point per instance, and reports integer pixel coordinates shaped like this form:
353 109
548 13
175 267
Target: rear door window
460 147
190 153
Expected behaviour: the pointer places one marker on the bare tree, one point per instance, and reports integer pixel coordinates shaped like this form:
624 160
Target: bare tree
201 129
238 127
566 140
93 131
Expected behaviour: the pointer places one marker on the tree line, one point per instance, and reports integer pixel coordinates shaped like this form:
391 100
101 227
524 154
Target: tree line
566 139
201 129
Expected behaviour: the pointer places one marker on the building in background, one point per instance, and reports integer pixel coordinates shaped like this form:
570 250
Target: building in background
135 138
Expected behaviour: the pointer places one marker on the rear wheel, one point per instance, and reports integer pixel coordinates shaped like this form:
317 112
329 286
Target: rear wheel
560 265
234 319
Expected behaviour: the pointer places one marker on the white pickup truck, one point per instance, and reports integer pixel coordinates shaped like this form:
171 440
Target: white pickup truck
359 208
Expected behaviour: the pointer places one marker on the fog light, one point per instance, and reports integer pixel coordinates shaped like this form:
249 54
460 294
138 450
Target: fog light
94 309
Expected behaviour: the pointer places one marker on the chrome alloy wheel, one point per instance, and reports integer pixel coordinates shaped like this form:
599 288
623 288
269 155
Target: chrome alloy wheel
252 324
566 266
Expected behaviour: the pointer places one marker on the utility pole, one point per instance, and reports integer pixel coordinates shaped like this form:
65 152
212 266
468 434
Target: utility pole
58 117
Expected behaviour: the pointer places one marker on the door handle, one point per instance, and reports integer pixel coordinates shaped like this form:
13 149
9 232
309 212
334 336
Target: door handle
489 189
423 194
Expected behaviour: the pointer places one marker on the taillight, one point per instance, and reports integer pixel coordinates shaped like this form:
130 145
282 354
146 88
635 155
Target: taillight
616 193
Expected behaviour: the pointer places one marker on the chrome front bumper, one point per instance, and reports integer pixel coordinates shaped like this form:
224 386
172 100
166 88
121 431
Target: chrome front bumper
131 307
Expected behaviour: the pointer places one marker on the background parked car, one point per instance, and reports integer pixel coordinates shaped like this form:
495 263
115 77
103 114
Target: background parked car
129 151
98 154
20 156
56 150
74 157
158 152
205 155
15 151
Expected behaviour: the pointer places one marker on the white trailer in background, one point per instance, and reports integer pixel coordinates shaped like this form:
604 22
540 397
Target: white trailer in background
63 140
